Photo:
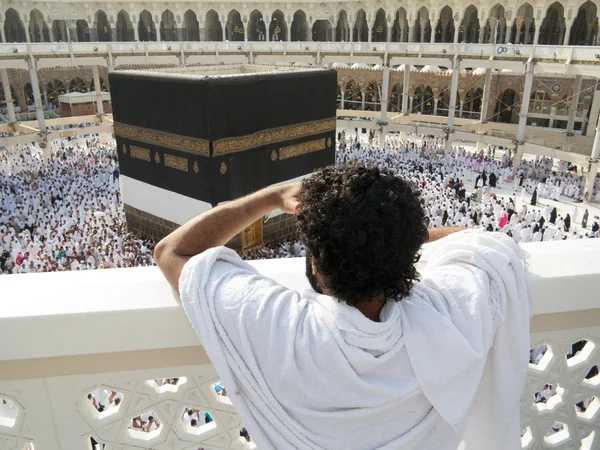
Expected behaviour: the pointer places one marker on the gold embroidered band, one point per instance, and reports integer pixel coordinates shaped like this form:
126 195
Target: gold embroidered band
302 148
272 136
176 162
173 141
140 153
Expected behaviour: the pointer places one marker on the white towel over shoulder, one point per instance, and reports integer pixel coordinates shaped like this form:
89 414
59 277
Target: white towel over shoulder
304 371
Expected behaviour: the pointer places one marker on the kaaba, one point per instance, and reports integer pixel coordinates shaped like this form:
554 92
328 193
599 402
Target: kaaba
211 134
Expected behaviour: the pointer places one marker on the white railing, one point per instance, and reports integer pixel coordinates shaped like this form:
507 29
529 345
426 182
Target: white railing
66 335
500 51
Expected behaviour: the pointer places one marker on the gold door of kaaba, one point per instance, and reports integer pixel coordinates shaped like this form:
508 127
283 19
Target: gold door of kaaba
253 235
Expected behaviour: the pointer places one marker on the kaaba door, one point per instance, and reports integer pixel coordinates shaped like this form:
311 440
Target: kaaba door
253 235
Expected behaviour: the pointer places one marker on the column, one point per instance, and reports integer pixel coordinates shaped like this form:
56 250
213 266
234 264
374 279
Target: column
8 96
246 33
518 33
462 106
487 84
368 34
35 86
482 32
567 32
363 97
537 32
267 27
552 115
389 33
98 90
596 146
456 30
350 31
136 33
343 99
432 38
223 29
507 34
525 103
405 87
574 103
50 33
411 103
412 32
453 92
422 37
590 179
2 36
385 94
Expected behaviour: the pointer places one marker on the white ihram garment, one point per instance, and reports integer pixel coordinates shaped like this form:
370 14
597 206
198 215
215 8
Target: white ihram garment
305 371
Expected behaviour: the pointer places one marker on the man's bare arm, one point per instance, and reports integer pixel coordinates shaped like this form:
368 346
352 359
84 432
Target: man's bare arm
439 233
217 226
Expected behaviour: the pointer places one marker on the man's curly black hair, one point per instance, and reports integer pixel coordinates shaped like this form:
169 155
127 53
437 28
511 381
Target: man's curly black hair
363 227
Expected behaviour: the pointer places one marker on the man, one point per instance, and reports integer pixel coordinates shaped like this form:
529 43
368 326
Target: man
367 358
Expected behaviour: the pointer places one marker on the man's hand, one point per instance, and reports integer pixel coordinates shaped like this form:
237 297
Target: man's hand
288 195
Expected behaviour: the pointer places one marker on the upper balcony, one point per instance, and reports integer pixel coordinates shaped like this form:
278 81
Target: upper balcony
122 336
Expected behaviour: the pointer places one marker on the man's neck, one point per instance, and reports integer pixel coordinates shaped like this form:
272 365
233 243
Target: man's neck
372 309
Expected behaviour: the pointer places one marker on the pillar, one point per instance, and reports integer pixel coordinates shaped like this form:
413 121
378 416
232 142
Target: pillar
389 33
368 34
435 105
351 32
537 32
590 179
343 98
405 88
35 86
246 32
569 24
98 90
50 33
412 32
525 103
363 96
8 96
422 37
508 34
453 92
136 33
574 103
267 20
517 159
552 115
432 38
411 103
224 29
596 146
482 32
487 85
456 30
462 106
385 93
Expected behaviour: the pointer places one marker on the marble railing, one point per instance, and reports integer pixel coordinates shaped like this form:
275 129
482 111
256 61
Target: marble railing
122 336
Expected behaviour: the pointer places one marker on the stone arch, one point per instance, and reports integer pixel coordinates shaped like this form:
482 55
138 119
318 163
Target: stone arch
234 28
423 100
299 26
3 98
146 27
257 30
191 27
54 89
352 96
103 86
59 31
83 31
444 31
14 30
322 31
523 25
422 28
379 30
495 26
103 27
213 31
585 26
552 30
443 108
473 102
278 27
38 29
125 31
168 27
361 29
373 97
400 28
342 30
508 106
395 103
78 85
469 27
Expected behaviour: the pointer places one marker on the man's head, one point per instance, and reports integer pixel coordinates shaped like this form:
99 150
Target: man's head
363 228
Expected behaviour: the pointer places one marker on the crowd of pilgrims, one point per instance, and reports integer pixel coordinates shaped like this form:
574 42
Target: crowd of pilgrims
67 214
